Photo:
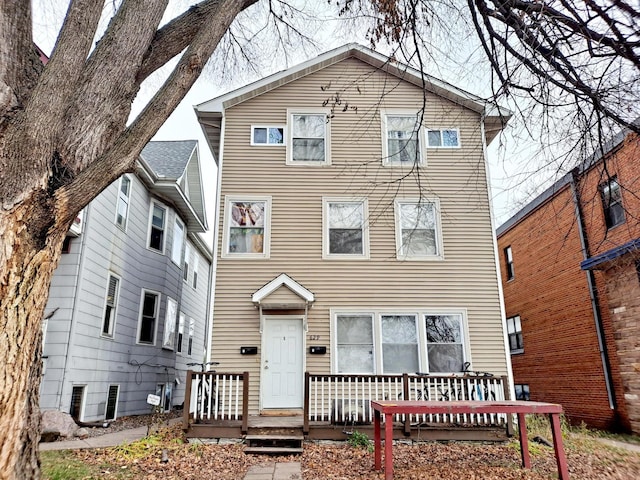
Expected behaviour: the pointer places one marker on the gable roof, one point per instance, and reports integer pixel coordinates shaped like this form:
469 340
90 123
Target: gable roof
210 113
171 170
280 280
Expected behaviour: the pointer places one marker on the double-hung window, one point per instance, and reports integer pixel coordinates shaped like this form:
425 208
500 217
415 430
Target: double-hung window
612 203
418 234
394 342
345 228
187 260
157 226
180 333
192 332
309 138
148 317
122 209
196 261
111 302
178 241
267 135
247 223
514 330
401 139
508 259
169 332
443 138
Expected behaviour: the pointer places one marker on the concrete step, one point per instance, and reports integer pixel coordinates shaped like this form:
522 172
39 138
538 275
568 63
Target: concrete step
273 450
273 444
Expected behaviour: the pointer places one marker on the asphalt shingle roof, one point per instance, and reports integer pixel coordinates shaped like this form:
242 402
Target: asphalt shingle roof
168 159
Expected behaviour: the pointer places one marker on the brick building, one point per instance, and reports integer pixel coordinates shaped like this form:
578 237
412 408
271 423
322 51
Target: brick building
570 264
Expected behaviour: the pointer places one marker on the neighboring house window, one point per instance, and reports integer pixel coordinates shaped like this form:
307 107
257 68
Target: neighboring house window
612 203
180 333
355 344
109 317
514 330
247 227
76 409
267 135
399 344
112 402
522 391
122 210
148 317
418 229
192 331
308 139
187 259
66 245
392 343
443 138
169 332
508 258
345 228
156 230
401 142
178 240
165 392
445 343
196 261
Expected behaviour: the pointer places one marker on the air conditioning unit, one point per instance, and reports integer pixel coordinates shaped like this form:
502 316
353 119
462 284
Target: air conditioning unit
76 227
352 411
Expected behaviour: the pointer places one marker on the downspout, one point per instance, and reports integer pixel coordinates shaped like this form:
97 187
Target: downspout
593 294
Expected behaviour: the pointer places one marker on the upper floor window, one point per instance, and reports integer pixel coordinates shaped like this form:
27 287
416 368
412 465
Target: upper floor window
445 343
122 210
508 259
192 332
401 142
180 333
418 233
178 240
187 262
148 317
66 245
308 138
156 229
267 135
109 317
345 229
443 138
612 203
196 260
169 333
247 222
514 330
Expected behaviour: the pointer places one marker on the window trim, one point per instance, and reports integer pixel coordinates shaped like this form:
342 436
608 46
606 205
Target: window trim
126 199
266 246
508 260
421 314
400 255
169 344
393 112
327 136
606 207
520 350
326 255
164 227
441 129
114 311
158 295
267 144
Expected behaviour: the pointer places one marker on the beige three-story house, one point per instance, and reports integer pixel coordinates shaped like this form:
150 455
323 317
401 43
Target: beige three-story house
354 231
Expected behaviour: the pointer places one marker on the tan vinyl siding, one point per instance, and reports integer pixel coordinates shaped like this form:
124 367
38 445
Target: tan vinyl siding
465 279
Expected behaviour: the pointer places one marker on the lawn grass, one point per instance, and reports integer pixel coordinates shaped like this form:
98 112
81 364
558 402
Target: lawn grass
66 465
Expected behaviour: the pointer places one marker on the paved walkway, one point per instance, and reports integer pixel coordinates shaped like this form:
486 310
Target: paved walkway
275 471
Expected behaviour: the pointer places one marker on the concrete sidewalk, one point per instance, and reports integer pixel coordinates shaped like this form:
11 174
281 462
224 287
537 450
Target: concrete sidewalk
275 471
102 441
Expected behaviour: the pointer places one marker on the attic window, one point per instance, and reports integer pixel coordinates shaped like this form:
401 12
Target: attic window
443 138
267 135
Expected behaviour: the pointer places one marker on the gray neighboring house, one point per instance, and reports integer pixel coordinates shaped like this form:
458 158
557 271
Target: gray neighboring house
129 302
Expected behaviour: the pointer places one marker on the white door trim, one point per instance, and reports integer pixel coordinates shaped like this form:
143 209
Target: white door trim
263 350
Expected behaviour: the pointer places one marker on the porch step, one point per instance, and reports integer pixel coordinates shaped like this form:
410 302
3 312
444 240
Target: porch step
274 444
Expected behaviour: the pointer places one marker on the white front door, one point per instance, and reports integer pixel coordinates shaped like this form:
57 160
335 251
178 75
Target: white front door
282 363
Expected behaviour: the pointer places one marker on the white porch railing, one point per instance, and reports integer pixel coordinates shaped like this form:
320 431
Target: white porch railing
212 396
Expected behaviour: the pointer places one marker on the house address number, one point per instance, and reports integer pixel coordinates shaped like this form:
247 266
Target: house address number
314 337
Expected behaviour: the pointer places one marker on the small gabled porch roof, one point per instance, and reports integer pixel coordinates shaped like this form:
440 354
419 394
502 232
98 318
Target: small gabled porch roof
263 296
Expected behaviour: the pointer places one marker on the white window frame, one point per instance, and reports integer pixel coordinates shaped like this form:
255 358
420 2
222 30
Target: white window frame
419 313
180 333
106 406
326 201
122 198
441 129
400 254
266 238
164 227
186 263
267 143
327 136
512 330
114 311
196 261
176 247
170 320
157 316
508 260
190 336
386 160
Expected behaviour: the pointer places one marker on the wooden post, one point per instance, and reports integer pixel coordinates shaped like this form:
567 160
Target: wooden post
187 401
405 395
561 459
506 389
245 402
305 410
524 441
